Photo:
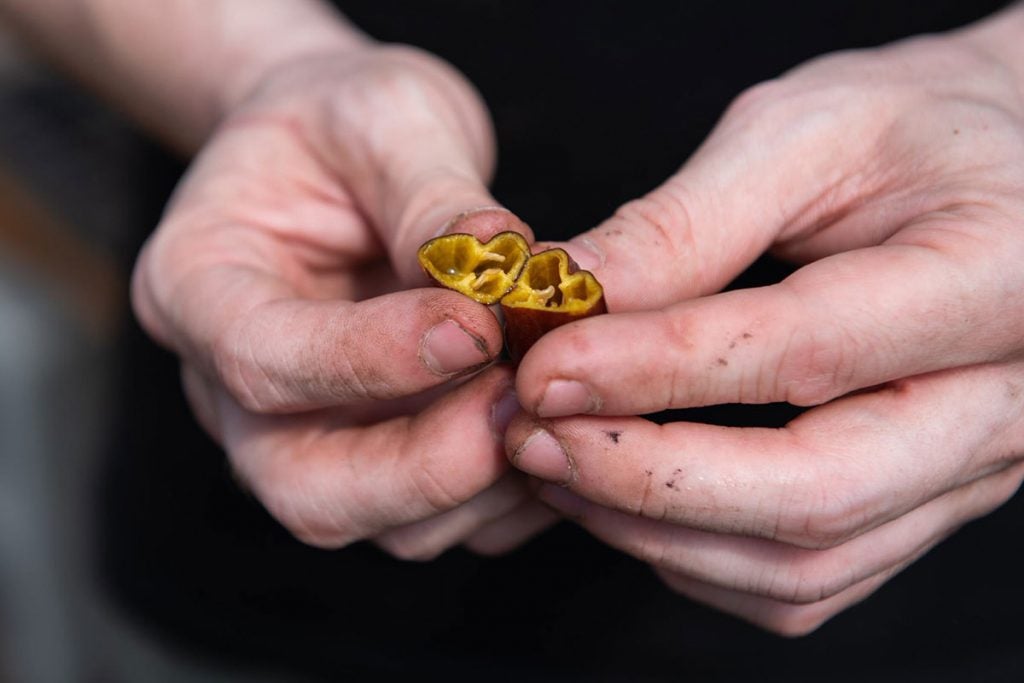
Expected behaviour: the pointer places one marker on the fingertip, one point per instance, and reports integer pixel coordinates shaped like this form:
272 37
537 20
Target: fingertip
520 428
473 319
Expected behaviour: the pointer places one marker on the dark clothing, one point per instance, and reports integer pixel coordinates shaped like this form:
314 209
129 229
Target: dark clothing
594 103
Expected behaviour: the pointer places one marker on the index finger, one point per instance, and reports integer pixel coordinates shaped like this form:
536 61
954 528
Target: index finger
762 176
848 321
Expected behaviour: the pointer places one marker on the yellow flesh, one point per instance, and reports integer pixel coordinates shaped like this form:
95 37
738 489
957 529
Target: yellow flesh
546 283
481 271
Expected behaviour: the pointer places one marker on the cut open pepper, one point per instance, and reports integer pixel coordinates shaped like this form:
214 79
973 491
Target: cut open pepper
551 291
537 293
483 271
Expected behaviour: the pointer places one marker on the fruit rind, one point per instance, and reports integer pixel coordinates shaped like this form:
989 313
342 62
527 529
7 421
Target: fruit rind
485 272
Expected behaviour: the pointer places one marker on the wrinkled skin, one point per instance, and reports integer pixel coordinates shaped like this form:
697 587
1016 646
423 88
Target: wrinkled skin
284 275
893 175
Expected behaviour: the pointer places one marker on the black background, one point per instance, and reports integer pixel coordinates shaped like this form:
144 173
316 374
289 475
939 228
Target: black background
594 103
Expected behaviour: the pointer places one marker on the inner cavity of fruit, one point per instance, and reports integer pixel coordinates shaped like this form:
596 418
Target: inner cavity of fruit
551 280
483 271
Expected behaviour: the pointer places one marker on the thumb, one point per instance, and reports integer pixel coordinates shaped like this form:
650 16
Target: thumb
757 179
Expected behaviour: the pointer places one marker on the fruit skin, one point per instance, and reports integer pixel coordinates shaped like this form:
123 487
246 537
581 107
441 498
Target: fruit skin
532 310
485 272
524 326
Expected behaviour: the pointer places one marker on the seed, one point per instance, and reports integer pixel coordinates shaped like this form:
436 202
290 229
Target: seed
486 277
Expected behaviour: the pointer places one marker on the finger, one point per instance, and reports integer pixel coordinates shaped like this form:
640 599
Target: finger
426 157
849 321
832 474
778 571
429 538
761 176
331 484
277 353
507 533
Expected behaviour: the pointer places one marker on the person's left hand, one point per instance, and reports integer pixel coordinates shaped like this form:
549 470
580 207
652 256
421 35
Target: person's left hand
895 174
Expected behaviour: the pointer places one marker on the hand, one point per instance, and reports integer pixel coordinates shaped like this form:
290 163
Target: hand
895 176
281 274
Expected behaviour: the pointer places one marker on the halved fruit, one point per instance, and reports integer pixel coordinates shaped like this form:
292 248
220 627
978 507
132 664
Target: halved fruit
551 291
484 272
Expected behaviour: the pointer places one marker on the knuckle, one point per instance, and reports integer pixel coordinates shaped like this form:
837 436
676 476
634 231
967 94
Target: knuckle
661 220
440 491
681 385
242 375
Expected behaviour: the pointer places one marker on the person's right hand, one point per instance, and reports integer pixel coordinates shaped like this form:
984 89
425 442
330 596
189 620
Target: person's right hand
284 275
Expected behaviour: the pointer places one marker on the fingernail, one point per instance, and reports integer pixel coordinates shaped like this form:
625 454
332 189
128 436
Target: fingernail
567 397
503 410
585 253
448 348
563 500
543 457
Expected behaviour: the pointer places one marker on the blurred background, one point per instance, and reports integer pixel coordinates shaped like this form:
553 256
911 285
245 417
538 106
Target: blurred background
77 196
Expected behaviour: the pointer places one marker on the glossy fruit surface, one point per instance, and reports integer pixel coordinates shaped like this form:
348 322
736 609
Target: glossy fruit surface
484 272
551 291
